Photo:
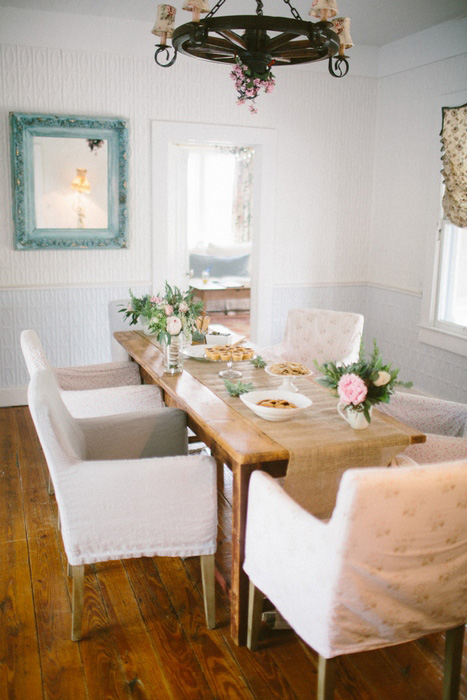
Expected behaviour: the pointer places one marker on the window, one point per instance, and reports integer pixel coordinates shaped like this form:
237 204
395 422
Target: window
451 301
444 300
219 194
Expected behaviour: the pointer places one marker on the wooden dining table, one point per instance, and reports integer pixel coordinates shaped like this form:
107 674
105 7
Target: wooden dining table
243 445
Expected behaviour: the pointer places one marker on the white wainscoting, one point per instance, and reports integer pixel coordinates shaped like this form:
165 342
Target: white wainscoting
71 323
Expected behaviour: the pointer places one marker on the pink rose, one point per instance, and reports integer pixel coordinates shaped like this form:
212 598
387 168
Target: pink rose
352 389
174 325
183 307
168 309
155 300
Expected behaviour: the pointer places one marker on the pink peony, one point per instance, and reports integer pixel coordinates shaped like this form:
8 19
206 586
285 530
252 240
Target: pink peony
174 325
352 389
168 309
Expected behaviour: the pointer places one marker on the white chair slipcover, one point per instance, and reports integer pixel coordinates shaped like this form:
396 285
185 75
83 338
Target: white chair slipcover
444 422
94 390
120 491
390 565
318 334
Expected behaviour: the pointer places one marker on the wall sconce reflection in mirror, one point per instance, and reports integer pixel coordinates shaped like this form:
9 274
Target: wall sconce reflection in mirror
70 181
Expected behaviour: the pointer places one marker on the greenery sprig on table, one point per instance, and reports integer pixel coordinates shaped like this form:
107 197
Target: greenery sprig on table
258 362
362 384
238 388
166 314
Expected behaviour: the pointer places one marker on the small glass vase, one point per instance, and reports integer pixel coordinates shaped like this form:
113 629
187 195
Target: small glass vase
173 354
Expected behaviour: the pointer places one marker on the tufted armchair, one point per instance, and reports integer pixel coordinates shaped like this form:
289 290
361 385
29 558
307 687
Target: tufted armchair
125 488
444 422
94 390
318 334
390 565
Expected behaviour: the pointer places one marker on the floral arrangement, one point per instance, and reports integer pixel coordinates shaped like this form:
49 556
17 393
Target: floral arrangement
363 383
166 314
249 83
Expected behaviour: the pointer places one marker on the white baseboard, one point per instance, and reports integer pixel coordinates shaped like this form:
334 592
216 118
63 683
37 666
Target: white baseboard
14 396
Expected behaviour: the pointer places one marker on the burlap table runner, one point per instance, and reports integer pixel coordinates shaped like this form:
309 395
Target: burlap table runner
320 443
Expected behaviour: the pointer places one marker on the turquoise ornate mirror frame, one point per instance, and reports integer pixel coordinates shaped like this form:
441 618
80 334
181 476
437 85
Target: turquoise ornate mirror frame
69 181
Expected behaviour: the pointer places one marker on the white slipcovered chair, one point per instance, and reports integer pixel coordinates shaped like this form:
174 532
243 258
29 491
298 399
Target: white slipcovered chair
390 566
120 490
444 422
318 334
94 390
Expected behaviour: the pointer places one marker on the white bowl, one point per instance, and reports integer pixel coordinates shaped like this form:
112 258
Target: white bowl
251 399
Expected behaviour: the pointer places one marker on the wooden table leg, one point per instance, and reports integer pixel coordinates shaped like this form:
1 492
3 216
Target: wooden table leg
239 582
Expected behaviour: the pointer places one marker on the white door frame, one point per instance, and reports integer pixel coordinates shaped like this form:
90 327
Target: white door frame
167 243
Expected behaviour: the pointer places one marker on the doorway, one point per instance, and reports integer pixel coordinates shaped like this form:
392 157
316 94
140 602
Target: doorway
170 206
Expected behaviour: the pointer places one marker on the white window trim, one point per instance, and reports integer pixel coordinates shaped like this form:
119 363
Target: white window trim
432 331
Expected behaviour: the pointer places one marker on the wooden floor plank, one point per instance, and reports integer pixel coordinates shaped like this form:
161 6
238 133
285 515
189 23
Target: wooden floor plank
184 676
141 666
220 669
11 500
20 670
144 628
259 669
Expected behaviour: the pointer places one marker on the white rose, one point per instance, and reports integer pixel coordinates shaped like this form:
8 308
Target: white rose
383 379
174 325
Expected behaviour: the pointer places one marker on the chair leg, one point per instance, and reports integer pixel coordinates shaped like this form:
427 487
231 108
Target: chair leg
50 487
326 677
255 609
452 662
209 581
77 603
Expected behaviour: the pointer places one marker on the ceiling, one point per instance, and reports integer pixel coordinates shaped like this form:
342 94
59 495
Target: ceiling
374 22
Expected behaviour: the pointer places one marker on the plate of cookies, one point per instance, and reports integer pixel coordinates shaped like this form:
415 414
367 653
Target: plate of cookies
219 353
288 371
276 404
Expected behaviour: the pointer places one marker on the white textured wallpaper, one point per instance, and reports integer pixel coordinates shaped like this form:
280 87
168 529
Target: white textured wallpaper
354 187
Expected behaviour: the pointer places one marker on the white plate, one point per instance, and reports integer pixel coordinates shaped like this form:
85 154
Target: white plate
196 352
251 399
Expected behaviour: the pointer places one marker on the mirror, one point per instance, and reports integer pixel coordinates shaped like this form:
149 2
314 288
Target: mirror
69 178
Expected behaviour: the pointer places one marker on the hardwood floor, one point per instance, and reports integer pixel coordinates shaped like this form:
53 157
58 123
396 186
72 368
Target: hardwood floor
144 628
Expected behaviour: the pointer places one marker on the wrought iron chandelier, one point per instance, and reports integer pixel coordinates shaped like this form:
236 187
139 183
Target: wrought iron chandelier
255 42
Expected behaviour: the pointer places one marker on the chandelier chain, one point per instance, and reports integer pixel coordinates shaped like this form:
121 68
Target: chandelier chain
294 12
216 7
259 7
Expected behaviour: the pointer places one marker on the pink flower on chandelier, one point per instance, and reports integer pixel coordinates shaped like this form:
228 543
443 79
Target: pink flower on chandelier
249 84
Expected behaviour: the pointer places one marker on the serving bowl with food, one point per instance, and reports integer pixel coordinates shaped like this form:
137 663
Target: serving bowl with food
288 371
276 404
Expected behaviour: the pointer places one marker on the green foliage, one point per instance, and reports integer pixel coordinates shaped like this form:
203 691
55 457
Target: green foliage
258 362
370 371
237 388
